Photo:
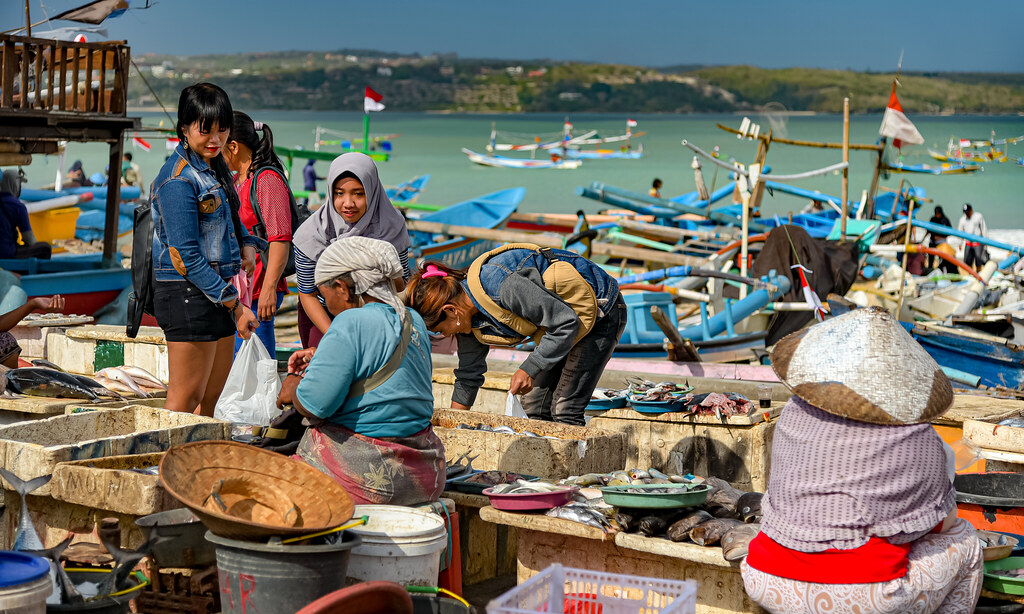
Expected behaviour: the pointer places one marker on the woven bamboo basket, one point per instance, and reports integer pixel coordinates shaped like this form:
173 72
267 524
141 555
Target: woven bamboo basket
248 493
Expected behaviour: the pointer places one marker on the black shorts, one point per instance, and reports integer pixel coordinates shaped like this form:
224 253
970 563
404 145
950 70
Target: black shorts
185 314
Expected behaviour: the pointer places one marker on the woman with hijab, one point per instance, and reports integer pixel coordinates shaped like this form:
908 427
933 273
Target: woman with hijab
356 206
860 511
368 382
14 220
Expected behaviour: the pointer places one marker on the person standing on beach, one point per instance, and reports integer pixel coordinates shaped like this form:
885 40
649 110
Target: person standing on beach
310 178
975 254
199 244
935 240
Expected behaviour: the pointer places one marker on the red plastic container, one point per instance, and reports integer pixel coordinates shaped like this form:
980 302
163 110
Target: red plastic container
530 501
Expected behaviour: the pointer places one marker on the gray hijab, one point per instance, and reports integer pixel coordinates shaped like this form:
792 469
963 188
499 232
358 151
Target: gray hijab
11 183
381 220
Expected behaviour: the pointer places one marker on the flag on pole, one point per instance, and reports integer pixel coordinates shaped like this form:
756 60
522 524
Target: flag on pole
172 142
896 125
372 101
810 296
140 143
631 123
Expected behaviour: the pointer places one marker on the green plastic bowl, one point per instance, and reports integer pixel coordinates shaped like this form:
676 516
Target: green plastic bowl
1004 584
685 497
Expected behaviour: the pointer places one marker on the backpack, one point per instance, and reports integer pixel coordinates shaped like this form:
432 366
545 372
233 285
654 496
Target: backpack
298 215
141 299
561 278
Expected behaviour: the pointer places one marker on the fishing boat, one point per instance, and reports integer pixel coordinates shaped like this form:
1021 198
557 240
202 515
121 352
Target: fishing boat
81 279
489 211
408 191
976 150
507 162
995 361
605 154
946 168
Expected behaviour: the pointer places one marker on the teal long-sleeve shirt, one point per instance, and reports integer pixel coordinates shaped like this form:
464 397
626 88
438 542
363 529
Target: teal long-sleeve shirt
358 343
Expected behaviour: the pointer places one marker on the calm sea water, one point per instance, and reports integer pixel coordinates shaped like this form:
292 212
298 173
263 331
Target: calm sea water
432 143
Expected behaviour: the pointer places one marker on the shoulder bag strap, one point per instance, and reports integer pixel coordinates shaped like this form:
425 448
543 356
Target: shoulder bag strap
361 387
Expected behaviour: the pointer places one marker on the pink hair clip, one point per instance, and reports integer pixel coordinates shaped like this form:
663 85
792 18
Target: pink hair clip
433 271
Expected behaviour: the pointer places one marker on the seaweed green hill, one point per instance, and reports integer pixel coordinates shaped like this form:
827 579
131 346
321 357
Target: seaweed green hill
446 83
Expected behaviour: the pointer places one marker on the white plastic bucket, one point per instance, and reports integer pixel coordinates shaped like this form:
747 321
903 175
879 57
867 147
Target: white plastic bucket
28 598
400 544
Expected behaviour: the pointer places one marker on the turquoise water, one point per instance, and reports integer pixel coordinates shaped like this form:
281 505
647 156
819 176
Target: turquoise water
432 143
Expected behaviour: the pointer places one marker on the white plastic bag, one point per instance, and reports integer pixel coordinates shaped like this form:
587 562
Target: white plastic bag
513 407
250 394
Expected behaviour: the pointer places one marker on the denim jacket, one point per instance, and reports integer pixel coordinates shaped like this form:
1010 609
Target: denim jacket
193 232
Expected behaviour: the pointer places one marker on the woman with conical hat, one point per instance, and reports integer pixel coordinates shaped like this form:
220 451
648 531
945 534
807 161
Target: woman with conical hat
860 510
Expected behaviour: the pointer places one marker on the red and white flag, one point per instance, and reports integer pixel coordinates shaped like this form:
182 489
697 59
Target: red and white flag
810 296
172 142
372 101
140 143
631 123
896 125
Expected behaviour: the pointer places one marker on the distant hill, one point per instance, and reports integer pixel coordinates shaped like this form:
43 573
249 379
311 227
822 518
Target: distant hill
446 83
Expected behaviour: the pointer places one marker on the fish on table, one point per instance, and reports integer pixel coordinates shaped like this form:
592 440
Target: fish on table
27 538
120 375
40 382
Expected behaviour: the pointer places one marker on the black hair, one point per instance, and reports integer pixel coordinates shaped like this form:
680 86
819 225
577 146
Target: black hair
207 103
243 130
128 156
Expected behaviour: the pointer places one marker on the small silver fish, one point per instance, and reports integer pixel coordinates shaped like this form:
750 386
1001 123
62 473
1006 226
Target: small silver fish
27 537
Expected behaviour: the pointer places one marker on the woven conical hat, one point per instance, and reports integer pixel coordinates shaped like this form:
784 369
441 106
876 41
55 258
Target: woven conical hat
864 366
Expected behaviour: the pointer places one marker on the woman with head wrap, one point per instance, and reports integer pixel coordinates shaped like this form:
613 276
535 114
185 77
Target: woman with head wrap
356 206
860 512
368 383
14 219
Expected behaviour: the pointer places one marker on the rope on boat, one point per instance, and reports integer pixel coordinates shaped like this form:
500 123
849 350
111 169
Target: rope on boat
814 173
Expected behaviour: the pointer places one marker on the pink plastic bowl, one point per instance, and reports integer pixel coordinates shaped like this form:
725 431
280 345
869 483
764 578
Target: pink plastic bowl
530 502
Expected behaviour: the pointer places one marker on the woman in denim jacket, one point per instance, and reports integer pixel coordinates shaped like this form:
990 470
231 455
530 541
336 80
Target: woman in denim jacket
198 246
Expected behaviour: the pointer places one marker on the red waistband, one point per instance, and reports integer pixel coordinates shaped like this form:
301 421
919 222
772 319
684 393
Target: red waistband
875 561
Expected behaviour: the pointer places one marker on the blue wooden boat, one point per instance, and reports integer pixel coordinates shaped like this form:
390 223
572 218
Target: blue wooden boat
99 193
996 364
80 278
487 211
408 191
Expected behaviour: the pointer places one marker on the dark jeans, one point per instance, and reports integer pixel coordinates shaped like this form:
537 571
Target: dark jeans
562 394
975 255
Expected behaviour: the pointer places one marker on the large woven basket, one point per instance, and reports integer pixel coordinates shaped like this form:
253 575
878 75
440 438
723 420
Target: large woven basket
248 493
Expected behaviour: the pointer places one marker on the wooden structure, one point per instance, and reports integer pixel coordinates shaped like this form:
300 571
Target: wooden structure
53 91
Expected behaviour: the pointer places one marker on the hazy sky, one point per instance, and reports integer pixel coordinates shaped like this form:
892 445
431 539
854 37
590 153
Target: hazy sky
945 35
